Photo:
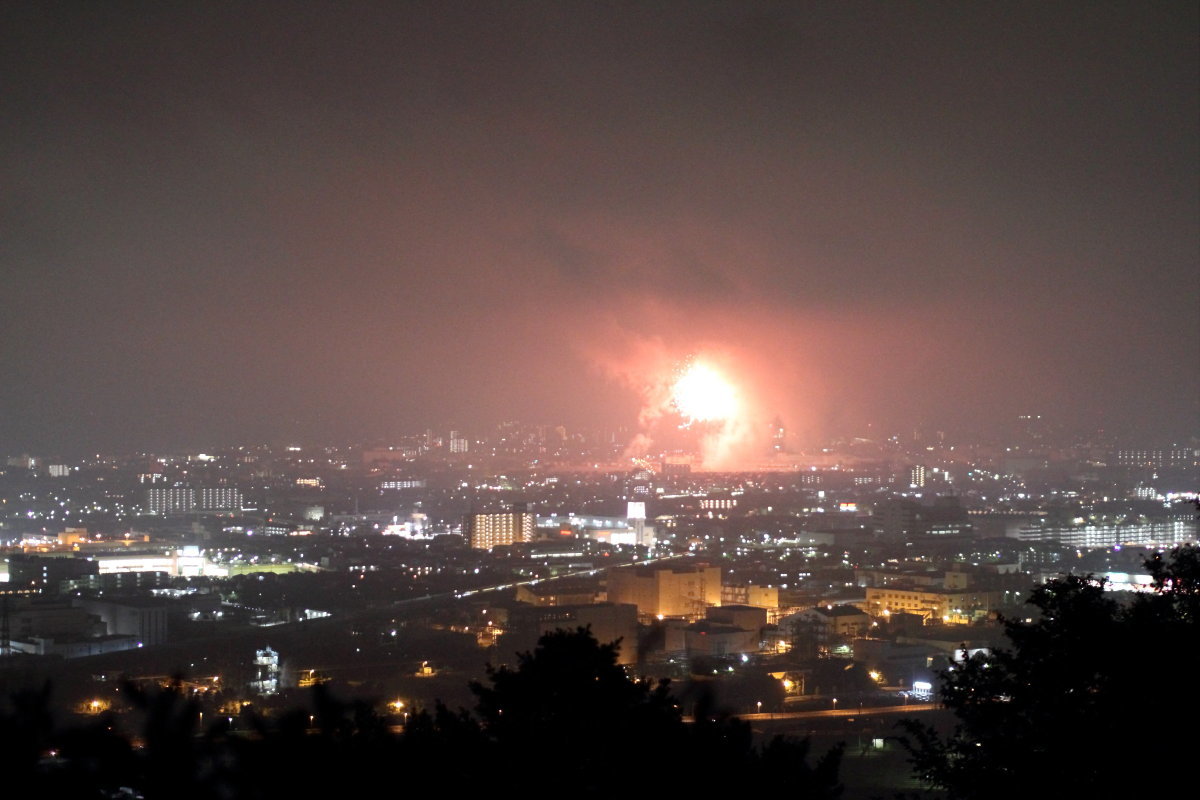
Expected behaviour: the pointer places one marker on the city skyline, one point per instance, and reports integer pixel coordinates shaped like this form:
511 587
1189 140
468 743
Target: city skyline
245 224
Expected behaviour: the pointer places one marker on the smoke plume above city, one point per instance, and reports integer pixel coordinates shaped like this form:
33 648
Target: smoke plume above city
310 222
799 396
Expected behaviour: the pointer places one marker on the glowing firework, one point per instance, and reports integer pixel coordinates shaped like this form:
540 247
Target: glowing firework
703 395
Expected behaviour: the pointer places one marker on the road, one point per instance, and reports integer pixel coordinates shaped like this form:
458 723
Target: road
578 574
868 711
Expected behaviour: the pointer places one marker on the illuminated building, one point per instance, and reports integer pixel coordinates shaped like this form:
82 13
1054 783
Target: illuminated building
750 595
718 503
492 529
666 590
187 562
1158 458
266 672
635 512
183 499
916 476
398 485
170 500
640 485
628 530
272 528
218 498
947 605
1164 532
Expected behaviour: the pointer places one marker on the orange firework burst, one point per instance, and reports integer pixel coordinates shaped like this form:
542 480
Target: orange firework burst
702 394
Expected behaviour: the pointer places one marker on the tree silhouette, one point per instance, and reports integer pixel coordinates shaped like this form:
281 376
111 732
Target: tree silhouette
569 708
570 705
26 728
566 718
1087 698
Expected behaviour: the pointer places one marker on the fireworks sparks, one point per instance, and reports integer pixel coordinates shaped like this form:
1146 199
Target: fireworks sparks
704 395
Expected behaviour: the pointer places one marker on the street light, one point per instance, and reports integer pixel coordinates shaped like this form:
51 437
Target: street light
835 704
760 706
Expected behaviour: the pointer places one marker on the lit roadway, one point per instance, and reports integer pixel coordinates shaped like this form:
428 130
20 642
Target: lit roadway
482 590
866 711
193 649
390 609
781 716
533 581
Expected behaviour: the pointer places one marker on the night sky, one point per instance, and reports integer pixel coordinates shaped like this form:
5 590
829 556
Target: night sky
226 223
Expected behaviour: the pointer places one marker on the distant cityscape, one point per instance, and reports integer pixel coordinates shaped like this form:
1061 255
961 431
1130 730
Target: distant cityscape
111 554
393 572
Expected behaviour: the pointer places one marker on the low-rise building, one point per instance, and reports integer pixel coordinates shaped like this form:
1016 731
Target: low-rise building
946 605
667 590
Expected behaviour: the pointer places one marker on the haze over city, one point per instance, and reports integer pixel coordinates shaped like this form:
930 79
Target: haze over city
229 223
614 398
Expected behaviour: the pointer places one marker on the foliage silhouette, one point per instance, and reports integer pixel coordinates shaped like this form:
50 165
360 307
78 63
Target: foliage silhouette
571 706
591 728
566 717
1086 699
26 728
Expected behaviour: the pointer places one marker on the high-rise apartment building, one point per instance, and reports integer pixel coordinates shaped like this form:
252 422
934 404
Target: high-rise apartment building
183 499
917 476
491 529
218 498
170 500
